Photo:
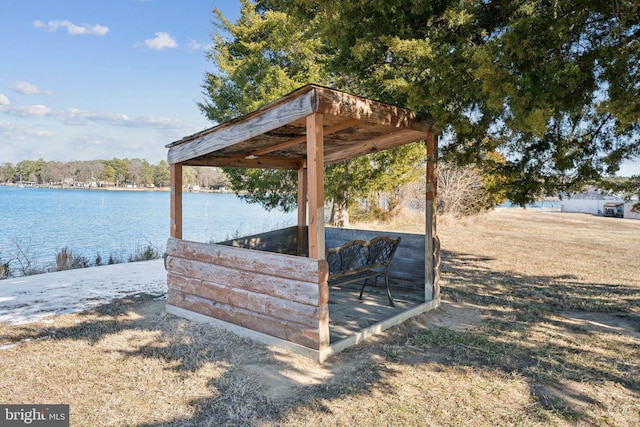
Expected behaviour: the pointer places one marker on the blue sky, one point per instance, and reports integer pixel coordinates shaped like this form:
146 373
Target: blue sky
88 79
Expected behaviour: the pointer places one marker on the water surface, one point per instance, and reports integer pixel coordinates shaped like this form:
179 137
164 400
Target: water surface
40 221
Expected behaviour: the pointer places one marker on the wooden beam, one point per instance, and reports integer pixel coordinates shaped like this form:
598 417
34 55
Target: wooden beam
242 260
432 287
239 161
315 176
302 210
175 203
243 128
303 138
392 139
337 103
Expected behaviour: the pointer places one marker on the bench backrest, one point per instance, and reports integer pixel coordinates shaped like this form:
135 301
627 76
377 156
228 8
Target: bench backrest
358 255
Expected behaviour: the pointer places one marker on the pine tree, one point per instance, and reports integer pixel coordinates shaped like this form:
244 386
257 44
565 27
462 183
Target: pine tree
552 84
263 56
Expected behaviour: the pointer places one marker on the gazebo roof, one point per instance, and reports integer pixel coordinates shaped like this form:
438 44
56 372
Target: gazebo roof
274 136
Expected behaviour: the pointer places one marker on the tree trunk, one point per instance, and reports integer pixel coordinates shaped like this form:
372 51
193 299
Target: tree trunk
340 214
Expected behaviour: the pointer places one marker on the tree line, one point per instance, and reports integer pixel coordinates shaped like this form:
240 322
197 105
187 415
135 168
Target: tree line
102 173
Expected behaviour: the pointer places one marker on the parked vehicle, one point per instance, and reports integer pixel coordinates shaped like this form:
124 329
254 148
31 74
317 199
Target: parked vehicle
615 210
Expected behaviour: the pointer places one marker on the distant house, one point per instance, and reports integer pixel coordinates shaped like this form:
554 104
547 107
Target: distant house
595 203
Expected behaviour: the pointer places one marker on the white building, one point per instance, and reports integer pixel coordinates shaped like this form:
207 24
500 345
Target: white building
592 202
629 212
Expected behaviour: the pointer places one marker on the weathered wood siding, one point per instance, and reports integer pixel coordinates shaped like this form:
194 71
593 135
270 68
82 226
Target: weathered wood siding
408 263
280 295
283 241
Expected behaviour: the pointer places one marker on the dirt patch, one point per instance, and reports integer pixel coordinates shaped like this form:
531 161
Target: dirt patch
457 316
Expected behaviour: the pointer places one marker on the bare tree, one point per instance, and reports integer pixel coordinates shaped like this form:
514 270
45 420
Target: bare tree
461 190
211 177
52 173
26 259
135 171
95 168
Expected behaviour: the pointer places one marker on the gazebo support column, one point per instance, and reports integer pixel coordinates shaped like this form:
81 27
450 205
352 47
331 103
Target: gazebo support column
302 211
315 176
315 183
176 201
432 288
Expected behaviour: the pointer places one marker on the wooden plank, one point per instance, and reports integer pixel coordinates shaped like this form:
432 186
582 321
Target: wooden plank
323 275
272 264
343 235
240 331
432 289
324 338
240 161
301 249
378 328
343 104
294 94
175 201
266 305
299 140
315 171
283 240
246 127
293 290
291 331
392 139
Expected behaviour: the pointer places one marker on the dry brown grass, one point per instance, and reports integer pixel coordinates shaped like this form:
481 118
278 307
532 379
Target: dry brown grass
540 325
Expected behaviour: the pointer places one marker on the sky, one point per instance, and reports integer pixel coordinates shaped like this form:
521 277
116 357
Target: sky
89 79
98 79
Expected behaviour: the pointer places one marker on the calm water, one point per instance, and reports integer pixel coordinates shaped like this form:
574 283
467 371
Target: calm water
43 221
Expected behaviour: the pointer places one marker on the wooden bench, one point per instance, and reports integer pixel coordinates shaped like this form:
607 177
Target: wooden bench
359 260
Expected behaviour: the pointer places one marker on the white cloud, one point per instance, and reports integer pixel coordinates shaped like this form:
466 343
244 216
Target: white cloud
161 41
14 130
194 45
73 29
77 117
4 100
27 88
6 127
41 133
27 110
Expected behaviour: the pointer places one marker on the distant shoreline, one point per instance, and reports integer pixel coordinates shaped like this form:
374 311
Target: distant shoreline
112 188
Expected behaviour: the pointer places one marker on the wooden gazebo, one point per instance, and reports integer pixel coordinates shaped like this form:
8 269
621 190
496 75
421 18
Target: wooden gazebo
273 287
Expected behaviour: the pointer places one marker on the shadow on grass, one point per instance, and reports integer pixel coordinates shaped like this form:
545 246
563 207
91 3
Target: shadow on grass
550 330
255 385
539 328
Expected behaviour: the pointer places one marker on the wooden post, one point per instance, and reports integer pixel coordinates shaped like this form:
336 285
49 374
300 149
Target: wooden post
315 176
176 201
302 210
315 183
432 287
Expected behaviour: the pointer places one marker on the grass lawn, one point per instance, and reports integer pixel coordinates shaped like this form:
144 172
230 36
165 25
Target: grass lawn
540 325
